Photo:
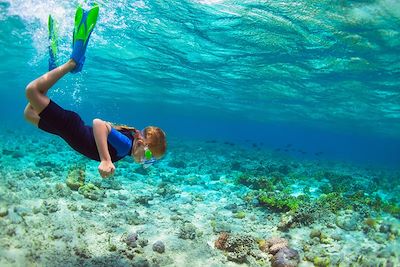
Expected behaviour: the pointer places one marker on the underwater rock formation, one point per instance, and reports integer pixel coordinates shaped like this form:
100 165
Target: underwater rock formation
130 239
91 191
75 178
275 244
282 255
159 246
286 257
187 231
239 247
49 207
133 218
348 221
220 243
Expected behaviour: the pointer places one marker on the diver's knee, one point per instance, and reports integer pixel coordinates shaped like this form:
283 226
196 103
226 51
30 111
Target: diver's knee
31 90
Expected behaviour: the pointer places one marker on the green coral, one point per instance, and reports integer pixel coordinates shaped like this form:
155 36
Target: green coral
256 182
279 201
375 202
240 215
333 201
321 262
342 192
91 191
76 177
392 208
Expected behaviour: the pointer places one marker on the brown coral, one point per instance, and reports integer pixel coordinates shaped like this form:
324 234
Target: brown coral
275 244
274 240
275 248
286 257
220 243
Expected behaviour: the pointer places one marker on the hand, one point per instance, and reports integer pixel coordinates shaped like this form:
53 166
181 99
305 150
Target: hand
106 169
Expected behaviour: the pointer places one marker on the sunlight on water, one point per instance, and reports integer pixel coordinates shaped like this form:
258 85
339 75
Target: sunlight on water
282 121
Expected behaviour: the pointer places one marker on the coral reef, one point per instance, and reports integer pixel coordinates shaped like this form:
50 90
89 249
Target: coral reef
286 257
237 246
245 248
49 207
187 231
166 216
133 218
279 201
76 177
220 243
91 191
240 248
275 244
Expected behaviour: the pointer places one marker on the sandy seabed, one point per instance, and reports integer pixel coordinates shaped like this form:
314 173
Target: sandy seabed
207 203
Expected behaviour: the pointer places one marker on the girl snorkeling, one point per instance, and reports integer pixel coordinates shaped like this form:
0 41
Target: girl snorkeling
103 141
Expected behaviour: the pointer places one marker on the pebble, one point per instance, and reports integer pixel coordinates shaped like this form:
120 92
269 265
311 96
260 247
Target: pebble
131 239
159 246
187 231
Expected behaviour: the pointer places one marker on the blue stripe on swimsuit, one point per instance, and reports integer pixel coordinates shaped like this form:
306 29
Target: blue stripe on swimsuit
120 142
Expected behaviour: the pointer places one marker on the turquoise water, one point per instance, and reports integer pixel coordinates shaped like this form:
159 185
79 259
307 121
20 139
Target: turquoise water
304 94
324 70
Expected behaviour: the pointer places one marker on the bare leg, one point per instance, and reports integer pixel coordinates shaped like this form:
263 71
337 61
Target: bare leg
37 89
31 115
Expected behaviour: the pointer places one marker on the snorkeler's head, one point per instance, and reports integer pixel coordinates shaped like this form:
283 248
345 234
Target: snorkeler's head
150 144
156 140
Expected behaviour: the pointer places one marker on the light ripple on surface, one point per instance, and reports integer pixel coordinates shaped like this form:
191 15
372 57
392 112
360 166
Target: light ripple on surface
248 53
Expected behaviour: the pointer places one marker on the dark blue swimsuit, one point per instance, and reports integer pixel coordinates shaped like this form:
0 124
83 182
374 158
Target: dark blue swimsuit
69 126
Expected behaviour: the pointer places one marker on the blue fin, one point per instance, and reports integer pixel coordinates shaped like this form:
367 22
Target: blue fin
53 43
84 25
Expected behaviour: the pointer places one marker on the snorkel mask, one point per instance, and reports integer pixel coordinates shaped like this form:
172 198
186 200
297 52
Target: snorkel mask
148 158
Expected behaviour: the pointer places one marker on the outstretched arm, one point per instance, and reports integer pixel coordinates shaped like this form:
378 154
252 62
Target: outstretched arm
101 129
